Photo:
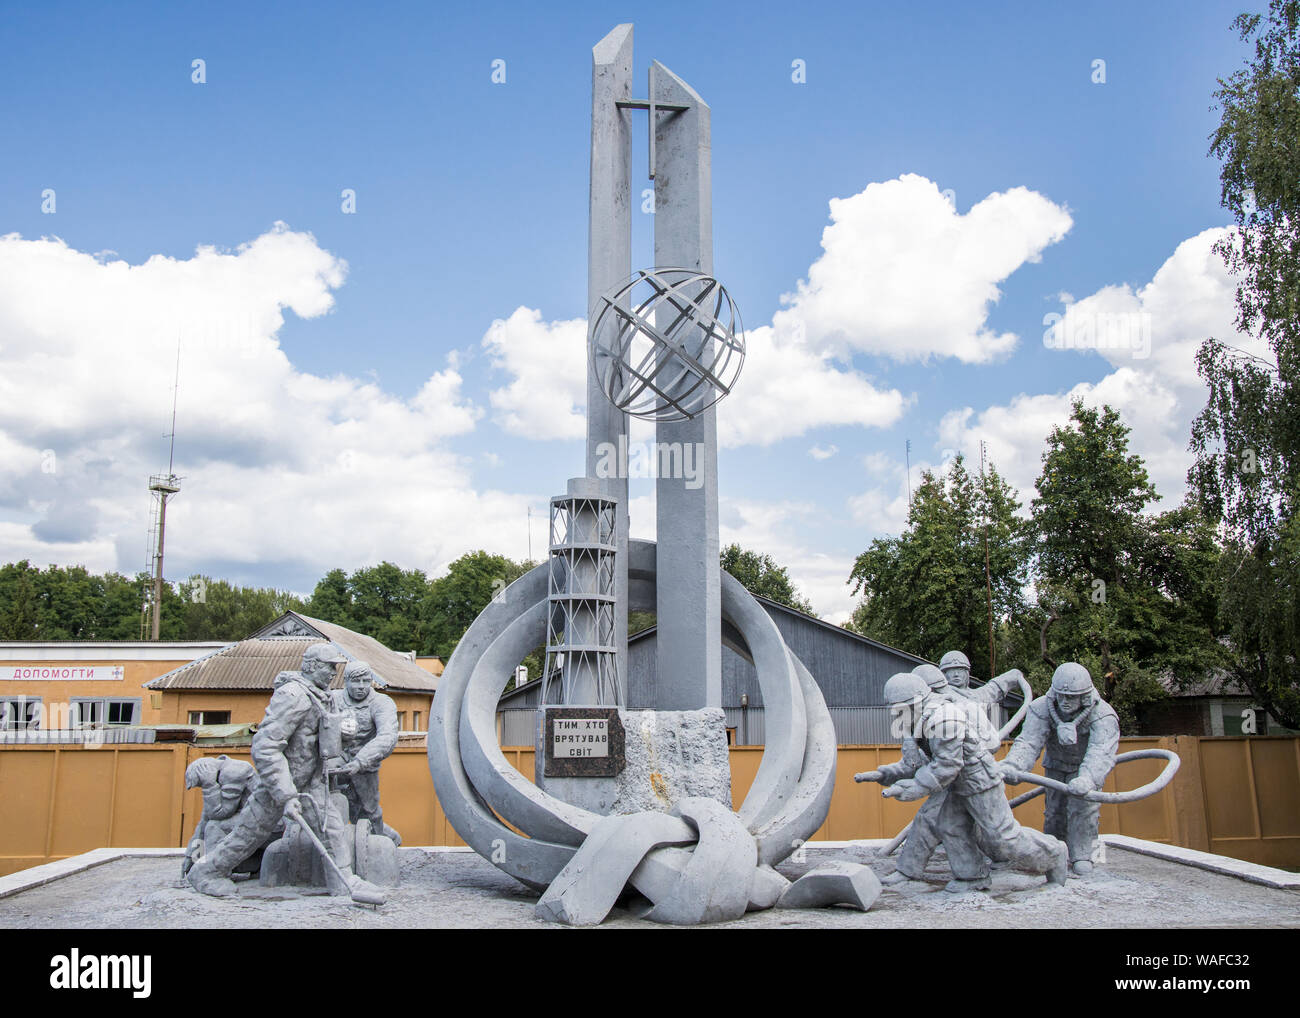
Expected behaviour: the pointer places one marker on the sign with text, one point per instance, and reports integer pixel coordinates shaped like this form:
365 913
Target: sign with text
62 673
579 737
582 742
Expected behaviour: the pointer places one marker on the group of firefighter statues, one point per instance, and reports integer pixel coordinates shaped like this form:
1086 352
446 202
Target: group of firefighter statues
948 745
306 812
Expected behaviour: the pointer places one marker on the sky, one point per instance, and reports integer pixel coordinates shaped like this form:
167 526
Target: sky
366 232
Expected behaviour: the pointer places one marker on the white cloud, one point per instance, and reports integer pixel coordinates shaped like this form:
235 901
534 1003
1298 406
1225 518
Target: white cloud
904 275
882 509
823 452
788 389
547 362
1151 335
285 470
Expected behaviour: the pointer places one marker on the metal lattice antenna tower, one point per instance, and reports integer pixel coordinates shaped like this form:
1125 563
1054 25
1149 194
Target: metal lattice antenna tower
161 488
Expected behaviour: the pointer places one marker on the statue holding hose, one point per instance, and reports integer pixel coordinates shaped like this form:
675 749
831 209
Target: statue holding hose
1078 734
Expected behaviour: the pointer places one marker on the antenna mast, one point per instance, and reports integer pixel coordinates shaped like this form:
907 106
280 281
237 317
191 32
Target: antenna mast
988 578
161 487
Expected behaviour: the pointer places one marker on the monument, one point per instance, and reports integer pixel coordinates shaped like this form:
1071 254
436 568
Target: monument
640 800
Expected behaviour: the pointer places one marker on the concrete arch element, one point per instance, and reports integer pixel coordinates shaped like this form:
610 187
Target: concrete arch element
478 788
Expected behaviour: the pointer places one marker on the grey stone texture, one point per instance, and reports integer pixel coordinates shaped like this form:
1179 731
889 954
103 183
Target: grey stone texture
1078 746
369 731
834 883
460 890
667 755
948 755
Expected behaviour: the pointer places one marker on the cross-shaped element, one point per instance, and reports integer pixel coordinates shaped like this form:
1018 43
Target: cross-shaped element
654 108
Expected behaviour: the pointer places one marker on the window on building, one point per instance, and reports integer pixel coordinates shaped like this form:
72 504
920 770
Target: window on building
97 713
209 717
20 713
401 721
415 720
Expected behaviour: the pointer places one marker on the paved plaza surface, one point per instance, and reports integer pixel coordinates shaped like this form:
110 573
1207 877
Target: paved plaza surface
459 889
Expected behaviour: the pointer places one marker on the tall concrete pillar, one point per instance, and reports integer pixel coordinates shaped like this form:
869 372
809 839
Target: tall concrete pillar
688 671
609 262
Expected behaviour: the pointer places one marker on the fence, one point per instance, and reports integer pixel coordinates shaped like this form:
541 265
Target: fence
1235 796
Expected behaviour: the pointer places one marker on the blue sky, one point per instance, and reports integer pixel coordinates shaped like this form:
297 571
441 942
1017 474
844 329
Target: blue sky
471 203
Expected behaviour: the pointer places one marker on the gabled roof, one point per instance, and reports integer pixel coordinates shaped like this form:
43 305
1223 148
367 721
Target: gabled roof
255 662
771 606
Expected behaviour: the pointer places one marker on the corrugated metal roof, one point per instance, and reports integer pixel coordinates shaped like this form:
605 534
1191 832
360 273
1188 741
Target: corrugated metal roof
254 663
248 664
399 670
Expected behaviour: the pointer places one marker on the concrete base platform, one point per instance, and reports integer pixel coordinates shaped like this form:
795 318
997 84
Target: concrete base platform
450 888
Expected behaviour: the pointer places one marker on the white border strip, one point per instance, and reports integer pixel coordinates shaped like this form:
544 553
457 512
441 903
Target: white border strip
35 876
1269 876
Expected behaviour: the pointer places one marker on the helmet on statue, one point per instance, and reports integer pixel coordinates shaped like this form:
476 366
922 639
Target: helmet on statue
1072 679
934 678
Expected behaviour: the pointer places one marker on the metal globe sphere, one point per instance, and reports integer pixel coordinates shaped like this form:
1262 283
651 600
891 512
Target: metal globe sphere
667 344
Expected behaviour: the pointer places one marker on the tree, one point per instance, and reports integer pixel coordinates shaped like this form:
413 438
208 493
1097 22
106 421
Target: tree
1246 440
330 601
217 610
1128 595
761 575
927 589
456 599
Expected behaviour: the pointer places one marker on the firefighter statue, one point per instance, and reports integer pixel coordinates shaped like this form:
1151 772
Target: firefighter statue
1078 734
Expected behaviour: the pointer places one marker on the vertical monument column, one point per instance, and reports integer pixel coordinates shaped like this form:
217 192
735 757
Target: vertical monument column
688 670
609 262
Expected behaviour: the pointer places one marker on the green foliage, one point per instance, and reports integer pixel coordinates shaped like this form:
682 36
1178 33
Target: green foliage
761 575
926 590
1247 438
1128 595
215 610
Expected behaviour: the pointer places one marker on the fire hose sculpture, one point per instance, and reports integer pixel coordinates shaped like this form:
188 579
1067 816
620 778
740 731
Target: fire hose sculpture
1079 733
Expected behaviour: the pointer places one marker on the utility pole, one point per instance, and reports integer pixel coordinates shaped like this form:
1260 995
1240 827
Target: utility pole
988 577
163 486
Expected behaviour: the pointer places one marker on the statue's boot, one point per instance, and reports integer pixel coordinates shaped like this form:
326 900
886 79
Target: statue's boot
205 879
1082 868
900 877
1060 870
961 886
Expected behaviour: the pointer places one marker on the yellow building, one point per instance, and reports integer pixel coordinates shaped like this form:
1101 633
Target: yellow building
232 685
60 685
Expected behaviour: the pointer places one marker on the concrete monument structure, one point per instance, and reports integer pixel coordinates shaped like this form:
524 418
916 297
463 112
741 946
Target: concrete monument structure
640 800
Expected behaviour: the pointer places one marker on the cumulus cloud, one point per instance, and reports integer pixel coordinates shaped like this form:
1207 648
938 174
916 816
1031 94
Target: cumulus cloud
547 363
823 452
292 470
903 274
787 388
882 508
1150 335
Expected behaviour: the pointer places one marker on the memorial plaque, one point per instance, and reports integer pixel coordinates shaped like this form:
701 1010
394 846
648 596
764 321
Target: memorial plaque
583 742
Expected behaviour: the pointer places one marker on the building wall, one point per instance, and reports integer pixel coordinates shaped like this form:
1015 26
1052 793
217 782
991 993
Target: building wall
248 706
60 693
850 672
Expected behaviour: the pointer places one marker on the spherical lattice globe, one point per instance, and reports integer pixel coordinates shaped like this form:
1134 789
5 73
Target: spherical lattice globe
667 344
